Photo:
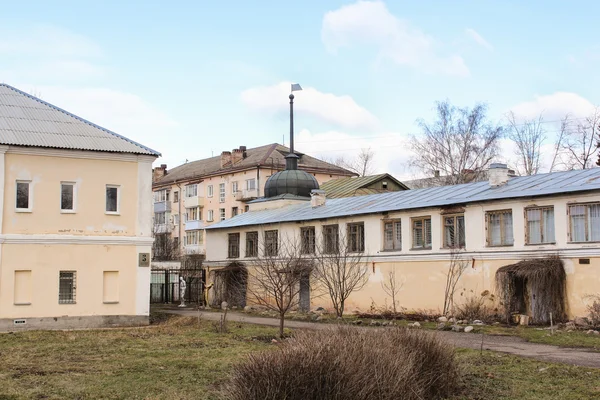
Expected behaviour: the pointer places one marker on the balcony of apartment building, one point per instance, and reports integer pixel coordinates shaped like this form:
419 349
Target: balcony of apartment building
192 225
248 192
162 202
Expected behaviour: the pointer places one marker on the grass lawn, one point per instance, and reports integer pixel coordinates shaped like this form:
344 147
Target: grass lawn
179 359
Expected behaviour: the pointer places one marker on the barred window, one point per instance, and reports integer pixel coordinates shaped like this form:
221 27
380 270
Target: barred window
307 235
540 225
392 235
499 228
234 245
585 222
421 228
356 237
331 237
66 287
251 244
454 231
271 244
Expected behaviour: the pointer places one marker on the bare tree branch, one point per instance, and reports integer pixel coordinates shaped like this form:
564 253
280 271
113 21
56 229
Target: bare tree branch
459 144
528 136
274 278
361 165
392 287
339 272
580 143
456 268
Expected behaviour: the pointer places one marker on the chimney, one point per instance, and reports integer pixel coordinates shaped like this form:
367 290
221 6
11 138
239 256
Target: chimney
225 159
498 174
159 172
317 198
237 155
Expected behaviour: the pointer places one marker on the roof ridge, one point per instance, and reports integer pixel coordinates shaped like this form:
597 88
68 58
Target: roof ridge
85 121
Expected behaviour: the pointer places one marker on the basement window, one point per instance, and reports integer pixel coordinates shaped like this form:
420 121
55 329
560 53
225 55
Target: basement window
66 287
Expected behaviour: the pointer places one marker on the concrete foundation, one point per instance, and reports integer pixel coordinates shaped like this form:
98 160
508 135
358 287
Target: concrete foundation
66 322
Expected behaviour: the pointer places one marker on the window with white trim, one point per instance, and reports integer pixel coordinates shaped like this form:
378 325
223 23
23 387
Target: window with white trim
160 218
112 199
540 225
499 228
421 231
392 235
191 190
234 211
176 219
221 214
161 195
234 187
221 193
454 231
356 237
209 191
211 216
176 196
250 184
193 238
584 221
23 196
67 196
193 213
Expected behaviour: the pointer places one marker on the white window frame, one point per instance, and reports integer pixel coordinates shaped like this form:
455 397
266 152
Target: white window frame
588 229
542 228
222 193
504 234
395 244
253 180
211 216
29 194
118 212
209 191
190 213
74 209
234 187
221 214
189 192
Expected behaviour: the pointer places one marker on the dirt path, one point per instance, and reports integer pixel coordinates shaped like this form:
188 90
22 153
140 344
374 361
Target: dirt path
504 344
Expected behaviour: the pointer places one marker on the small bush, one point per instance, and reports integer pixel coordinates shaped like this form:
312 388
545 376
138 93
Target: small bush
345 363
476 307
593 308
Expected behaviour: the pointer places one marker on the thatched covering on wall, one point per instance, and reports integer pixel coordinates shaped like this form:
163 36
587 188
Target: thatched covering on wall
535 287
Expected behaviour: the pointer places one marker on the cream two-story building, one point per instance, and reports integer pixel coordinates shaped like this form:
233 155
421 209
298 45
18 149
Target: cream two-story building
75 220
195 195
416 232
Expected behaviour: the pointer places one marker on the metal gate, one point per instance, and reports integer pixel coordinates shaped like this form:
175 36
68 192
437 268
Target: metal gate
164 286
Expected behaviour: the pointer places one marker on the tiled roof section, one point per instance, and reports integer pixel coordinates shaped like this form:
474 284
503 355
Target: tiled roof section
355 186
26 120
556 183
265 156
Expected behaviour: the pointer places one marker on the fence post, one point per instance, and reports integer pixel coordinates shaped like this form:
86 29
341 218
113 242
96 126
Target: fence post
167 300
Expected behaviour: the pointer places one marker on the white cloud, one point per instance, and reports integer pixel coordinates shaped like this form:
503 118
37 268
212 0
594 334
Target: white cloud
473 34
338 110
47 41
370 22
554 106
391 149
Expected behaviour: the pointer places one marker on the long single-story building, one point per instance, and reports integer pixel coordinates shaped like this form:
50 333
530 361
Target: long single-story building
491 224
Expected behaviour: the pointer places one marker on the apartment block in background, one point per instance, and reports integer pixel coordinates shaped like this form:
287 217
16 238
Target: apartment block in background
195 195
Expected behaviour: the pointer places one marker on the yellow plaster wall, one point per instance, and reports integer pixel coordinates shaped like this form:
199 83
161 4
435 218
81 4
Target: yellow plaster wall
89 261
91 177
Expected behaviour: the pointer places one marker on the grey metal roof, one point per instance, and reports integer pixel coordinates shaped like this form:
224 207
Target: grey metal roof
26 120
519 187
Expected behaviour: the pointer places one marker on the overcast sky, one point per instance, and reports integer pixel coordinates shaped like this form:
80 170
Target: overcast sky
191 79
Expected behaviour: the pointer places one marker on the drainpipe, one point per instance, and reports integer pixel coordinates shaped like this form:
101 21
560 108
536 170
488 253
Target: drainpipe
181 197
258 180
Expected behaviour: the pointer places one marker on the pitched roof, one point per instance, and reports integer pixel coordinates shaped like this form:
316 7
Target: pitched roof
26 120
271 155
520 187
356 186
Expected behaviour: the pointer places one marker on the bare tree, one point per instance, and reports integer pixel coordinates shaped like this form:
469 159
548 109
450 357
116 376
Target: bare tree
528 136
456 268
580 143
362 164
339 270
165 247
275 275
460 143
392 287
557 157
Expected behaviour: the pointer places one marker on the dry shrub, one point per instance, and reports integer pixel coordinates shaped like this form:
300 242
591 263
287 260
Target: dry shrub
346 363
593 308
476 306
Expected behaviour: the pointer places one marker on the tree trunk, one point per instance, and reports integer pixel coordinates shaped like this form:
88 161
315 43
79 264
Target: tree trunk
281 321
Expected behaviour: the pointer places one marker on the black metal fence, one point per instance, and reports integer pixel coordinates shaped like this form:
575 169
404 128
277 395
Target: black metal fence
165 286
